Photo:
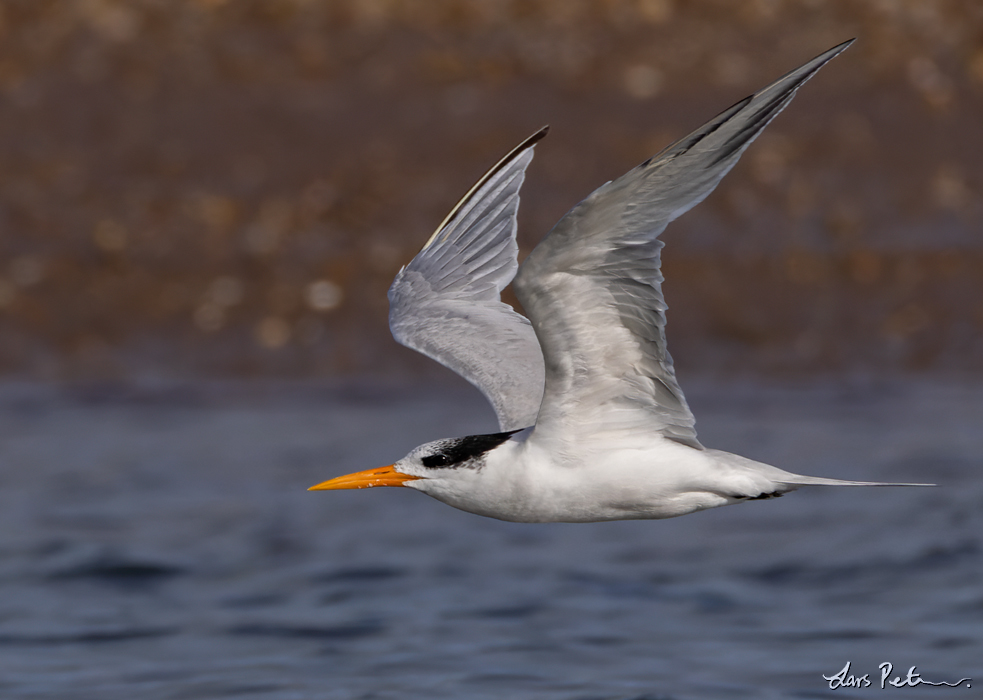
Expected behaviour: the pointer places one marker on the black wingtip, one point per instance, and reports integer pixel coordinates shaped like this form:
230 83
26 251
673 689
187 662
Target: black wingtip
511 156
832 53
535 138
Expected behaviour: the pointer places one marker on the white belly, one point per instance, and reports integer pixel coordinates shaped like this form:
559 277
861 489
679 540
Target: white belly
662 480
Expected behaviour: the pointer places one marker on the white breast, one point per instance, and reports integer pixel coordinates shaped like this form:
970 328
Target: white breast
524 482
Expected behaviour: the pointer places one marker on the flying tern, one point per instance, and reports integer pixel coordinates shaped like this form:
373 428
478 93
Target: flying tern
593 424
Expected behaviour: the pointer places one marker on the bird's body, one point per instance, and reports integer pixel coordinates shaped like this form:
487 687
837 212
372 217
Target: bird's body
524 481
595 426
648 477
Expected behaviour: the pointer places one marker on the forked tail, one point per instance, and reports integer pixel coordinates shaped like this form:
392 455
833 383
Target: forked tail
798 480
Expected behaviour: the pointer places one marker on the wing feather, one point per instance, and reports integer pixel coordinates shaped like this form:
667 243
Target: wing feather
593 287
446 303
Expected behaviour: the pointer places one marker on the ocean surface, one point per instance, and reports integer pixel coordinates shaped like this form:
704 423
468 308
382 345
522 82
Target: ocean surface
157 541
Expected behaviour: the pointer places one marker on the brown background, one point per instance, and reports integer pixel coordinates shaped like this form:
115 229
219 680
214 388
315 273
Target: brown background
226 187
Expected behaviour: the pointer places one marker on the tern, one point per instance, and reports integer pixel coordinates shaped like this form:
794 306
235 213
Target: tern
593 424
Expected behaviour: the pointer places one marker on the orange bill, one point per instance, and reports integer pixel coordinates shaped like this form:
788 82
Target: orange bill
381 476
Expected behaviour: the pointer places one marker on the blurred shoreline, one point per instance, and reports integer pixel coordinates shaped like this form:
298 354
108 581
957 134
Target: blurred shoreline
211 188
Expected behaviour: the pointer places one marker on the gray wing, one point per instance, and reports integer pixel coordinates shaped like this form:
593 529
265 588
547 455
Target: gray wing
447 303
593 290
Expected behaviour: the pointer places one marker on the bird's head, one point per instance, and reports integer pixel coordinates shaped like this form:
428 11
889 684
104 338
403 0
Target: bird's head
424 466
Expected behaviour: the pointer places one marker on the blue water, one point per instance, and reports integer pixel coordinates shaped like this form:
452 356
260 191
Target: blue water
158 542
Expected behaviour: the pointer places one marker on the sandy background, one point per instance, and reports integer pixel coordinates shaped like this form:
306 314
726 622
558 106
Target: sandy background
226 187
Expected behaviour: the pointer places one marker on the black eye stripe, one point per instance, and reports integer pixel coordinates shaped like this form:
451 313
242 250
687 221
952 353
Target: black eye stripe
459 450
